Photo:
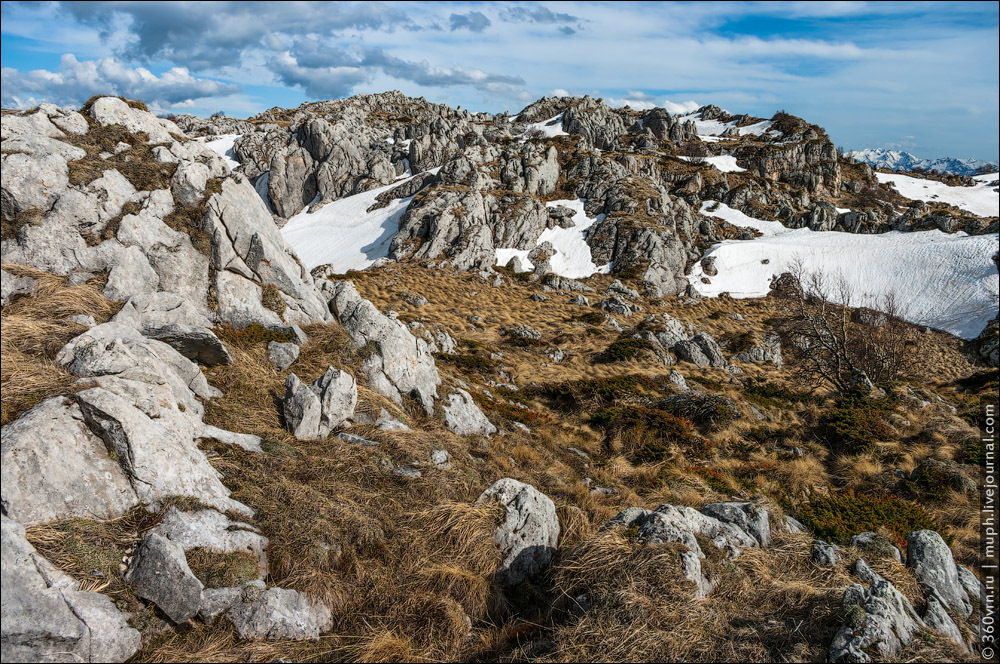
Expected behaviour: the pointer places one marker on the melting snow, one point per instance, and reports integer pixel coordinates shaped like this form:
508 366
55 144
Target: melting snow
980 199
344 233
724 162
944 281
224 146
551 127
572 258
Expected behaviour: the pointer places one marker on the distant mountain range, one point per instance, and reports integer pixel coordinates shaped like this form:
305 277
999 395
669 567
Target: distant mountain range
904 161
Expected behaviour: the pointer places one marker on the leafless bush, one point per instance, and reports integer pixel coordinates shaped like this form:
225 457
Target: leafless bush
835 345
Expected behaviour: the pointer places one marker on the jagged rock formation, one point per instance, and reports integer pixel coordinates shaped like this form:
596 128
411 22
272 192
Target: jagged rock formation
528 535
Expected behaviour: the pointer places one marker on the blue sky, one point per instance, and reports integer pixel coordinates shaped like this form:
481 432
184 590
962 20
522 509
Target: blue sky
922 77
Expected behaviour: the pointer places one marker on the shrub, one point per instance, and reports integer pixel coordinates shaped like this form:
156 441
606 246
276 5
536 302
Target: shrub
509 411
855 425
839 516
772 395
648 433
251 335
703 409
623 349
271 298
597 392
468 362
589 317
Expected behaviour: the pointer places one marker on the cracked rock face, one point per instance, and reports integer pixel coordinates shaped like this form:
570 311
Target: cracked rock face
463 417
399 362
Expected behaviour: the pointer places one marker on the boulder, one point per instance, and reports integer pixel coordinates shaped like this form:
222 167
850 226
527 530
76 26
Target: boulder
278 614
314 411
282 354
529 533
825 554
212 530
108 111
54 468
934 566
400 363
159 573
14 286
46 619
880 620
463 417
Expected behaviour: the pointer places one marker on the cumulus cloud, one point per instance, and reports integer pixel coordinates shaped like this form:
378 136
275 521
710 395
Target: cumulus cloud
537 14
474 21
324 71
203 35
77 80
681 108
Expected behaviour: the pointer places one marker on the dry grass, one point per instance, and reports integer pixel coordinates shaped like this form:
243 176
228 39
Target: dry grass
34 329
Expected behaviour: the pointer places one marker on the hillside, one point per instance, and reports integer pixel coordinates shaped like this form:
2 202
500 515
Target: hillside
375 379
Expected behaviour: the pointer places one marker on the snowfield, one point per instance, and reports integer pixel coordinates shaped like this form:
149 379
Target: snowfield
980 200
343 233
724 162
572 258
224 146
945 281
715 128
549 128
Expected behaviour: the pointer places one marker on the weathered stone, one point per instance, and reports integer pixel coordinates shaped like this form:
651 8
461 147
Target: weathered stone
282 355
529 533
824 554
159 572
463 417
46 619
934 566
280 614
209 529
55 468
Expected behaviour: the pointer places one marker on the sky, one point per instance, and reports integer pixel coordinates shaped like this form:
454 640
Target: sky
915 76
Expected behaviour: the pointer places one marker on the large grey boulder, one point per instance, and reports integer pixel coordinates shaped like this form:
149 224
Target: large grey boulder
313 411
144 406
400 363
880 620
247 243
46 619
769 351
175 320
280 614
55 468
159 572
934 566
463 417
748 517
529 533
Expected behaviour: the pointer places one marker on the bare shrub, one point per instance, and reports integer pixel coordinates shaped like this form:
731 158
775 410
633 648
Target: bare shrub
832 344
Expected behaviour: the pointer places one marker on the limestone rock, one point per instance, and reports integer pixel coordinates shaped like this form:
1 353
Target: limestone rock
280 614
529 533
159 572
463 417
934 566
45 617
55 468
401 363
282 355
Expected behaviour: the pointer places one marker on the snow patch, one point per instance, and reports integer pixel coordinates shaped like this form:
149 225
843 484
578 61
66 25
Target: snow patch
945 281
344 234
551 127
224 146
980 199
724 162
572 258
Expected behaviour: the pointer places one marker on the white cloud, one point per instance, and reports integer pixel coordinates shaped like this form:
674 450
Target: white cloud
77 80
682 108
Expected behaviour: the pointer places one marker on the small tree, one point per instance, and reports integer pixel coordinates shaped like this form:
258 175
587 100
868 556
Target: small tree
834 342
